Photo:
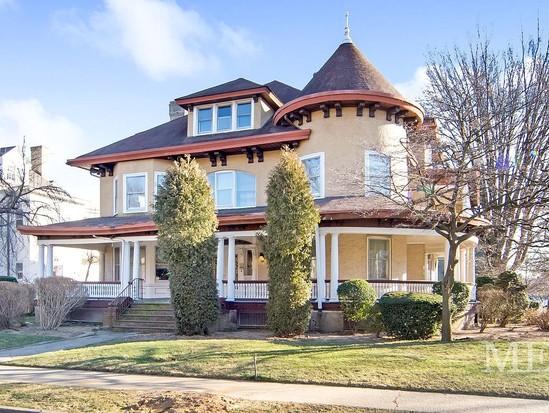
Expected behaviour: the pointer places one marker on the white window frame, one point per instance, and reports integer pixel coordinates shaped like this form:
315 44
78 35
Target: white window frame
234 190
321 156
125 199
156 175
115 196
367 184
234 111
389 260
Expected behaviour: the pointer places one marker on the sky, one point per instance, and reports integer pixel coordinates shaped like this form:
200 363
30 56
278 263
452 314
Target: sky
78 75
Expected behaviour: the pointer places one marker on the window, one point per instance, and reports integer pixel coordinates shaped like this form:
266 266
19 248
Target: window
162 272
159 178
244 115
378 258
135 192
219 117
19 270
205 120
314 167
232 189
378 173
224 118
116 264
115 196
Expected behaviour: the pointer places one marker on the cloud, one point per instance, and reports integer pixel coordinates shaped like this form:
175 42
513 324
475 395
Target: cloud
161 38
29 120
7 3
412 89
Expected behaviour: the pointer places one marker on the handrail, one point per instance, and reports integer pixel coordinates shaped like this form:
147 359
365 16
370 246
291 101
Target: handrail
132 292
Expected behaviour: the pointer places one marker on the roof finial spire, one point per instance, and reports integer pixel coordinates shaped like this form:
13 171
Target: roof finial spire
347 38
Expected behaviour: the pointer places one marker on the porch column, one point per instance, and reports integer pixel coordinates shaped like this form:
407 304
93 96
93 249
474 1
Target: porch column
446 255
41 251
334 277
220 265
49 264
463 252
101 265
472 268
125 279
457 269
135 273
321 271
231 270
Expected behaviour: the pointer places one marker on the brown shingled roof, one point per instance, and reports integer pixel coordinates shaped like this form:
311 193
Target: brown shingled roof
349 69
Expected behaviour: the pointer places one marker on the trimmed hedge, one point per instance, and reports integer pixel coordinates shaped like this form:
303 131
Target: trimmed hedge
411 316
484 279
460 295
8 279
356 298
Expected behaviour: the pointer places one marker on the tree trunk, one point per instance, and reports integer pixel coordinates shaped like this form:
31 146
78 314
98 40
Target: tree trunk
447 285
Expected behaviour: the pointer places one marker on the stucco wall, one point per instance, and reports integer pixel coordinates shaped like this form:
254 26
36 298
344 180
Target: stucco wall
416 262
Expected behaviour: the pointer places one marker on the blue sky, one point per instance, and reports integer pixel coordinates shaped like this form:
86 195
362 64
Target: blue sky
78 75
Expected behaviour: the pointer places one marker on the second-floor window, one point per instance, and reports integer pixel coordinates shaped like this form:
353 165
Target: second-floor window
135 192
232 189
221 117
378 173
314 167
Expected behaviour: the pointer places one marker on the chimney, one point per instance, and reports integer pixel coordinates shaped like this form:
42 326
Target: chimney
36 159
176 111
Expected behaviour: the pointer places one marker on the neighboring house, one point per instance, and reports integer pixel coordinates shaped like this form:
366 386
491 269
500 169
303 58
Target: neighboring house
19 254
347 115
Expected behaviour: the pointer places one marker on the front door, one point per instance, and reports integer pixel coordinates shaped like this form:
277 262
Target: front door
247 262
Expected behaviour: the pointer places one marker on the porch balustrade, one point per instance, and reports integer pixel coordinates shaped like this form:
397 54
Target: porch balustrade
257 290
102 289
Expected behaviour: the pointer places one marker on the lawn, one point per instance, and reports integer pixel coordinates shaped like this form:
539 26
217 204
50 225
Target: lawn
12 339
84 400
465 366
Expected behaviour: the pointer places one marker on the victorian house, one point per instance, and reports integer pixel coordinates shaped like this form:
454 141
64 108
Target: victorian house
348 120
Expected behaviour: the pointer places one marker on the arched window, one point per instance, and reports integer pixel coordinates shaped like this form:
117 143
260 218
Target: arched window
232 189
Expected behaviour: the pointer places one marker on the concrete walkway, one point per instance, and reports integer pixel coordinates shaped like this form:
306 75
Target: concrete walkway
298 393
98 337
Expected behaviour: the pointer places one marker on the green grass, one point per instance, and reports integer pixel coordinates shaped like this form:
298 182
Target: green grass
84 400
10 339
427 365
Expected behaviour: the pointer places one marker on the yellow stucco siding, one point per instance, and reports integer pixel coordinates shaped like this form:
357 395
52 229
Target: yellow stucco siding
352 256
398 257
416 261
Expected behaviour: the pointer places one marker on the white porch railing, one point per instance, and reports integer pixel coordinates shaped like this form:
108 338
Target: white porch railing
102 289
257 290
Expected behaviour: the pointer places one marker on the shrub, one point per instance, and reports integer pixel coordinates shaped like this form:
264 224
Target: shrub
411 316
483 280
56 297
291 221
460 295
15 303
8 279
542 320
185 215
531 317
373 323
516 299
491 298
356 298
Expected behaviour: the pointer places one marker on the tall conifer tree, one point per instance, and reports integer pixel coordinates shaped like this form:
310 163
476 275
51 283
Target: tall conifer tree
291 221
185 215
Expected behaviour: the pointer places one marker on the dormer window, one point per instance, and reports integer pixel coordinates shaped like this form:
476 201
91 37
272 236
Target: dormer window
220 117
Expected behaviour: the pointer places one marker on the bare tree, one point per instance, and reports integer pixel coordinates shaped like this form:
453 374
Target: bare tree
26 197
89 259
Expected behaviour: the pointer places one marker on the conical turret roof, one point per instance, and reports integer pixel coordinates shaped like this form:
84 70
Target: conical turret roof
349 69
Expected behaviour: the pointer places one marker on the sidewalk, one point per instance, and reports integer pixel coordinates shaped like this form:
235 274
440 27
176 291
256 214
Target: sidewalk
99 337
297 393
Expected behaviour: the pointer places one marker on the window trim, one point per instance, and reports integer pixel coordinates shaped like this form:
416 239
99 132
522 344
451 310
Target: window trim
234 173
389 261
367 185
322 176
115 196
234 116
156 175
125 205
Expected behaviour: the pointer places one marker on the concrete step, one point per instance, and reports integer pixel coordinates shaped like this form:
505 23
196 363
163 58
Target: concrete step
148 318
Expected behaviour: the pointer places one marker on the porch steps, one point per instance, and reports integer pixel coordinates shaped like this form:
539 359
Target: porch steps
147 318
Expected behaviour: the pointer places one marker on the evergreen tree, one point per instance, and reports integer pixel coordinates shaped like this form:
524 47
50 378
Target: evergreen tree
186 220
291 220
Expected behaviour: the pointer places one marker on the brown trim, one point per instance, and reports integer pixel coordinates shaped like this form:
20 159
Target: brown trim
348 95
263 90
199 147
